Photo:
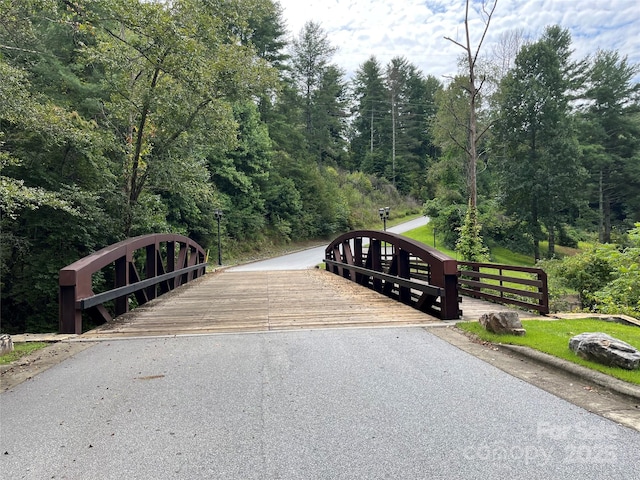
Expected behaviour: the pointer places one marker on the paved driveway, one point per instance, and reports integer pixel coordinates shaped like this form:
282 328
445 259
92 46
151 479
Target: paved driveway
396 403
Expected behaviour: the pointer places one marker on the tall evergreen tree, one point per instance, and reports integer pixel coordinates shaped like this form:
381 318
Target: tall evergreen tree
329 115
412 104
611 138
538 155
310 57
371 118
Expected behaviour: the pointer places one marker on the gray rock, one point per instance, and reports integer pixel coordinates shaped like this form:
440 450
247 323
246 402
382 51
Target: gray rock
605 349
6 344
502 323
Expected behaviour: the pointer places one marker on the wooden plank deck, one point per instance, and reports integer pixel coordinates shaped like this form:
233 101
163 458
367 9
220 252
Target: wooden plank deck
275 300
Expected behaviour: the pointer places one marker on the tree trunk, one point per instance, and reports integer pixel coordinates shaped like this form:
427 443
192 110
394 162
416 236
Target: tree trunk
535 227
371 128
552 242
607 219
601 208
606 210
393 135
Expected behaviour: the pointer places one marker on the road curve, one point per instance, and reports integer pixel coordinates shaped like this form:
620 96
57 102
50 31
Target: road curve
313 256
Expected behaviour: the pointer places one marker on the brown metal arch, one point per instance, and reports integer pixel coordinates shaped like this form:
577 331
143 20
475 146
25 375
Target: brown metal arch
399 267
165 269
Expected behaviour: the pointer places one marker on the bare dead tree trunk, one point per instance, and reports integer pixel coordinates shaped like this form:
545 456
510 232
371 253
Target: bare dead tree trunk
473 91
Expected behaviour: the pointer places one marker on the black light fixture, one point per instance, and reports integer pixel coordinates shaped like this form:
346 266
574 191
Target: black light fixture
384 214
218 214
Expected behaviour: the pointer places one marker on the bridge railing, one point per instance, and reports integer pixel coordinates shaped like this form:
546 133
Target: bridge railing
525 287
399 267
169 260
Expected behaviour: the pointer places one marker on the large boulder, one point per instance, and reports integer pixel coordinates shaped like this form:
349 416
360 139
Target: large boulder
6 344
502 323
605 349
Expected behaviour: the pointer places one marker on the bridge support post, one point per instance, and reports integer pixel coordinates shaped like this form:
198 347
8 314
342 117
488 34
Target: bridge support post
121 304
70 316
375 250
151 268
450 309
404 271
171 264
357 259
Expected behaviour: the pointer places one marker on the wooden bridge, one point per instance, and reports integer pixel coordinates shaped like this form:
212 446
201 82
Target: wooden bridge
395 281
280 300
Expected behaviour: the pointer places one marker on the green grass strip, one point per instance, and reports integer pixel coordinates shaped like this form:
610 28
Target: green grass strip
552 337
20 350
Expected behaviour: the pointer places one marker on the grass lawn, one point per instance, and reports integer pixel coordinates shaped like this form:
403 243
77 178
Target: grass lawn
552 337
507 257
498 254
20 350
425 235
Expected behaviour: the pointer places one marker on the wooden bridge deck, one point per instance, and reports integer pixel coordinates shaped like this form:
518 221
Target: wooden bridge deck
274 300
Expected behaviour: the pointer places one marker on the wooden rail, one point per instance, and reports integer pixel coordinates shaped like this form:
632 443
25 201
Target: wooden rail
170 260
505 284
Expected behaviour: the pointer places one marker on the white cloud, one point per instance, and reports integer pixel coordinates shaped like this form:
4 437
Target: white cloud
416 28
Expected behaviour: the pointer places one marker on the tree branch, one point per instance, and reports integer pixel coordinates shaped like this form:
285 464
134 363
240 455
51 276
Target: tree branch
458 144
457 43
486 28
25 50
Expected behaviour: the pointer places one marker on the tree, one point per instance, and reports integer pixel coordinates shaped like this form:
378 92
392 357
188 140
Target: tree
390 130
611 138
310 57
469 245
172 71
473 91
412 102
327 138
471 127
372 117
55 175
539 159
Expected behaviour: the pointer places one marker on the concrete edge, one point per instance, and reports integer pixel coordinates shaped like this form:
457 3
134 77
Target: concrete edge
593 376
601 379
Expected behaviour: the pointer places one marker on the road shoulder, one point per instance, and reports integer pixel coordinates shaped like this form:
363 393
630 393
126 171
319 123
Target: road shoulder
598 393
28 366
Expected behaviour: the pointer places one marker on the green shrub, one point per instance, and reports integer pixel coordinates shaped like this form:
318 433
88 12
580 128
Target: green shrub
469 244
622 293
605 277
445 220
588 272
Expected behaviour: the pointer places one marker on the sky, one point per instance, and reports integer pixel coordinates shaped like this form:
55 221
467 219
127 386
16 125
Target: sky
416 29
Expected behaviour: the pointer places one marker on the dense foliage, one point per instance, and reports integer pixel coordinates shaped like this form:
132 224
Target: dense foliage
125 117
606 276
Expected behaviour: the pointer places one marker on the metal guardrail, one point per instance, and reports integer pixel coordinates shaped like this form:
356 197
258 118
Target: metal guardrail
429 280
399 267
170 261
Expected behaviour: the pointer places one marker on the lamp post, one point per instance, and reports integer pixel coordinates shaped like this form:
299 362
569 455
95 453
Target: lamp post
384 214
218 214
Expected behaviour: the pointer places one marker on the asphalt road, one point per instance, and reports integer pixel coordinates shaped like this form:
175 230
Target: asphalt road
386 403
313 256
